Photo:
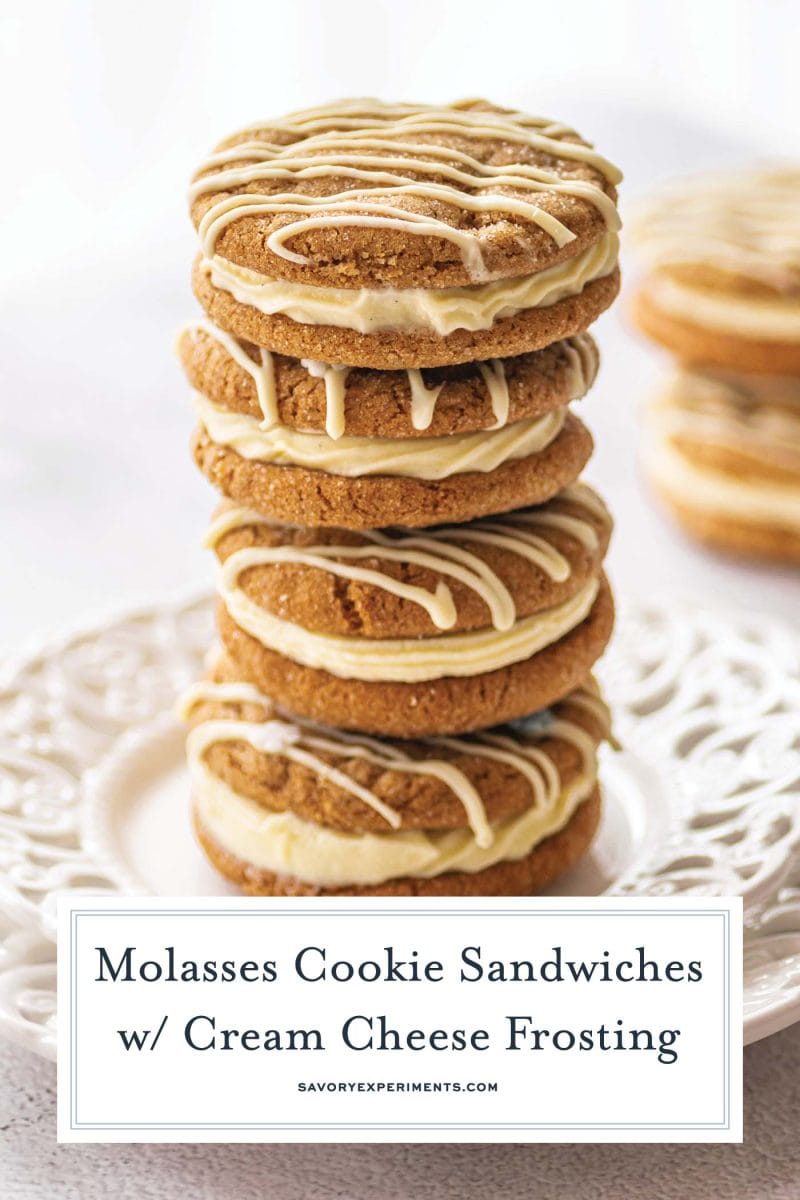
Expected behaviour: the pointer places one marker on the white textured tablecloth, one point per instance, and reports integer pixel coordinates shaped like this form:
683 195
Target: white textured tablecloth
766 1167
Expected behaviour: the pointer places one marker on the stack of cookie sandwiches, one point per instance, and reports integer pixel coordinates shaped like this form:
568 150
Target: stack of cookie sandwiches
722 293
411 587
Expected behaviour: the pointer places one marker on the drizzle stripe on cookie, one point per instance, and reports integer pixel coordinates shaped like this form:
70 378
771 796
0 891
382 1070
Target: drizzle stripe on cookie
434 550
579 351
303 741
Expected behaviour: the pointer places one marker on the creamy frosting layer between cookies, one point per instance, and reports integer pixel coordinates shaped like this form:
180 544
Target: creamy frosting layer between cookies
287 845
438 310
417 458
408 660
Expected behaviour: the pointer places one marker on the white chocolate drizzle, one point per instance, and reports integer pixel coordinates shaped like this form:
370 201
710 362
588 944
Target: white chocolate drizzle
335 378
436 550
494 376
303 741
423 399
408 660
579 351
372 144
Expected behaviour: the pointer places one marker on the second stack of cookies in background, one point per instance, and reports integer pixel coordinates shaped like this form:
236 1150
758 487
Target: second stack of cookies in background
396 301
722 293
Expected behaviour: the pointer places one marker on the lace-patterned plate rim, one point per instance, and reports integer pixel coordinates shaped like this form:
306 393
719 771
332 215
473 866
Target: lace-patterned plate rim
49 642
709 699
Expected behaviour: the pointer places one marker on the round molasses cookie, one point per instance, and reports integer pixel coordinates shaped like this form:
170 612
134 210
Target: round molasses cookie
453 703
400 235
323 398
723 451
723 260
405 583
404 632
284 805
310 478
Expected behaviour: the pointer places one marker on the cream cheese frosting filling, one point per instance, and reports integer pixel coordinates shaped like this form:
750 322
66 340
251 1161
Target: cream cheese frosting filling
405 660
764 320
416 458
715 492
287 845
438 310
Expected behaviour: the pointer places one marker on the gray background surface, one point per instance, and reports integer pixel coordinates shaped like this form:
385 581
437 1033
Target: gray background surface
766 1167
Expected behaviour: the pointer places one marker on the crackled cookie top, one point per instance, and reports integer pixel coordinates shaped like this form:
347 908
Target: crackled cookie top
362 193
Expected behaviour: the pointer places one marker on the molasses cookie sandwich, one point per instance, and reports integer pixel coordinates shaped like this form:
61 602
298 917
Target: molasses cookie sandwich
285 806
405 632
723 450
401 236
723 261
334 445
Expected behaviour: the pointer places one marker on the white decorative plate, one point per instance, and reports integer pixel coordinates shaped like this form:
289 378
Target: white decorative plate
704 799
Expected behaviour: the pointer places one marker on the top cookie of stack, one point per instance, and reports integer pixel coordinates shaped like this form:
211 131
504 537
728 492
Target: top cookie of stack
405 235
467 240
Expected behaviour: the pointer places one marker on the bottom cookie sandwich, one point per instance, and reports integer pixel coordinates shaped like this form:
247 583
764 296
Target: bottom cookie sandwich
288 807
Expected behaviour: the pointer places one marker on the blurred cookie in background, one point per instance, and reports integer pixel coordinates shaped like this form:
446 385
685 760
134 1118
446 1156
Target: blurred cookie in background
721 291
722 259
723 452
